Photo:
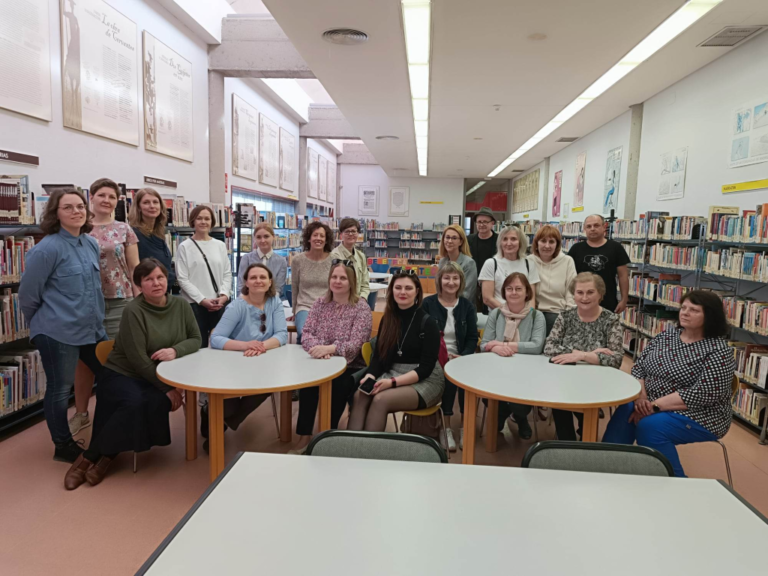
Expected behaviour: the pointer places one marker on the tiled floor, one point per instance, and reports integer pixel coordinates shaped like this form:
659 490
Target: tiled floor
112 528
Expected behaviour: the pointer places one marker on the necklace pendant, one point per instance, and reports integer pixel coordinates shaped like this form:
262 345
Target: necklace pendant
399 352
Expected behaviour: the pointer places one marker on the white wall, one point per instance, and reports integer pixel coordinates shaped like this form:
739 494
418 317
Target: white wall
450 191
331 155
71 157
530 214
596 145
696 112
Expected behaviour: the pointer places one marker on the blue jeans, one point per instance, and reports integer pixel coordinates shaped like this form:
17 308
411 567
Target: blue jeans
59 362
372 296
661 431
300 320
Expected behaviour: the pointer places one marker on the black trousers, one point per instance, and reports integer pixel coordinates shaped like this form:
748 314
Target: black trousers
564 424
206 321
507 409
341 389
449 398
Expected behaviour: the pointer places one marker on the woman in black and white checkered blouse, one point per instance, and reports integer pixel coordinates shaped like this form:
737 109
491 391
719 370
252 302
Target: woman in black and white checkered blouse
686 375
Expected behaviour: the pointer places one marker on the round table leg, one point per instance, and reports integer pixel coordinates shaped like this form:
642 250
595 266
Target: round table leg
491 425
325 406
591 421
190 405
286 416
216 433
470 422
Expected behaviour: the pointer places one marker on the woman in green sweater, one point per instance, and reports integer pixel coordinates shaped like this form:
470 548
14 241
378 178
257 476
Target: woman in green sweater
132 403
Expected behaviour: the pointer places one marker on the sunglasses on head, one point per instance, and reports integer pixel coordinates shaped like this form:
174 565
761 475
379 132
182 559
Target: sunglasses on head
402 273
347 263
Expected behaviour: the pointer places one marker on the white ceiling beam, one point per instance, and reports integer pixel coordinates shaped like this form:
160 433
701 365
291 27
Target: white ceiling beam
327 122
203 18
356 154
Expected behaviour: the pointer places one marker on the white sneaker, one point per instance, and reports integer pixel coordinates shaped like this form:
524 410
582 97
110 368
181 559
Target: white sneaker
79 422
451 441
461 438
298 451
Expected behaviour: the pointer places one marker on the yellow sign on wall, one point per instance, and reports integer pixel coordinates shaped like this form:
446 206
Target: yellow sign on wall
431 202
578 209
744 186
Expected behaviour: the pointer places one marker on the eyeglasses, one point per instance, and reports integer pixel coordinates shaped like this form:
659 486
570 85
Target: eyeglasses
483 222
69 208
347 263
350 232
263 323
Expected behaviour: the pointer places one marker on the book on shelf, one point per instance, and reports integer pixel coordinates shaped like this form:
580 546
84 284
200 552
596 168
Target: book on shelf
14 325
13 257
22 381
17 203
750 404
671 256
751 362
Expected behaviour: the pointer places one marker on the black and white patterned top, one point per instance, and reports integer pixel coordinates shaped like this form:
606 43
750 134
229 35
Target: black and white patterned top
701 372
571 333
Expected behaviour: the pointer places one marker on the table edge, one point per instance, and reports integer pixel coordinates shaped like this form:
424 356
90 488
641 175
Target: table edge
741 499
188 516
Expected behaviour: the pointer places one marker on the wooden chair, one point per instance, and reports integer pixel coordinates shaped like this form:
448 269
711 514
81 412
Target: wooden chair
428 286
377 316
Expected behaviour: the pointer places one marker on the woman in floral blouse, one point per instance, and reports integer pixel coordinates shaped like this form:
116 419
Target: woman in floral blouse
685 376
588 333
338 325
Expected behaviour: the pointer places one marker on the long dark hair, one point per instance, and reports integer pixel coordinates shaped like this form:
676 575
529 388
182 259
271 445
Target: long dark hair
715 323
389 329
50 224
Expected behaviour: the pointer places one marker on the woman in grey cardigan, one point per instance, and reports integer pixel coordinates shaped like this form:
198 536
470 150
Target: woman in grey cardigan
515 328
455 248
263 238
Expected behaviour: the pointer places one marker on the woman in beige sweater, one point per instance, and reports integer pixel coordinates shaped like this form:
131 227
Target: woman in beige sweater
310 271
556 272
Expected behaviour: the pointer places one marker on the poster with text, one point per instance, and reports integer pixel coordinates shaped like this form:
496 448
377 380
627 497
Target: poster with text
322 178
578 191
331 191
168 127
287 160
245 131
399 200
312 173
557 196
612 179
672 174
749 134
269 151
367 200
99 76
25 58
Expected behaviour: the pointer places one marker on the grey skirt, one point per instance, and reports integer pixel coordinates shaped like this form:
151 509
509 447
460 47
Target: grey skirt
430 389
113 312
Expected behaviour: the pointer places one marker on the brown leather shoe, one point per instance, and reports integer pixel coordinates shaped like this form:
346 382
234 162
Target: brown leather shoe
76 473
97 472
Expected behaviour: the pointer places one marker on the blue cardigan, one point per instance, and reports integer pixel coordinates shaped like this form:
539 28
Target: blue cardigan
464 320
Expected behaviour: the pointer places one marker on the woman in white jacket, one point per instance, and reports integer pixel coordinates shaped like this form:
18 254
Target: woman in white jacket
556 272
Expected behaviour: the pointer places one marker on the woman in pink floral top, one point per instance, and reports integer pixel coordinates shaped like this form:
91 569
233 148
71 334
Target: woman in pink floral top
338 325
118 256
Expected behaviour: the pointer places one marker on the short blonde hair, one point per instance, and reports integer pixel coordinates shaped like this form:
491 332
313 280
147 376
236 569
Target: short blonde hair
586 278
463 249
522 238
450 268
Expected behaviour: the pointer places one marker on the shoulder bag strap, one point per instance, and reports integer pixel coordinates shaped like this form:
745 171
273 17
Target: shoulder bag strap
213 281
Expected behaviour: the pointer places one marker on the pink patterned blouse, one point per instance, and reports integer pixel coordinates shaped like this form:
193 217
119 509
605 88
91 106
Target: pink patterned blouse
346 326
113 240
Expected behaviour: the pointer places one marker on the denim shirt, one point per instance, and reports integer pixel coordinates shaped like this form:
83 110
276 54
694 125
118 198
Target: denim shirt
60 293
242 322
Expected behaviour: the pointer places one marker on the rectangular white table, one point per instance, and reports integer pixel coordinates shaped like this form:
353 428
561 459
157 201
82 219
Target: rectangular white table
281 514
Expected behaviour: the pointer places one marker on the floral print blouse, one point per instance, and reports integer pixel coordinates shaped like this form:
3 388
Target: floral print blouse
113 239
570 333
347 326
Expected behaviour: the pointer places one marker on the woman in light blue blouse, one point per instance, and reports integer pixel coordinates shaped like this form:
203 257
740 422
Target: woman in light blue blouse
252 324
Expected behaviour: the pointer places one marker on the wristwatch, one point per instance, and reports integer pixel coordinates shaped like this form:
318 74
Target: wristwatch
394 383
656 408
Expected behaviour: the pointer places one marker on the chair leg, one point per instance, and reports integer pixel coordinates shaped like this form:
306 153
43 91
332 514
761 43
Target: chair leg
394 419
535 425
482 422
727 463
274 413
135 463
444 433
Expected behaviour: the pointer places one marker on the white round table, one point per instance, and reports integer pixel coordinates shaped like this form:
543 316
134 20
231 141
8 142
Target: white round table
228 374
379 275
376 286
532 380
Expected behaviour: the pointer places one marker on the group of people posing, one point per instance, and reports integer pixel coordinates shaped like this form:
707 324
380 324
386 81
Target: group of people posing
93 279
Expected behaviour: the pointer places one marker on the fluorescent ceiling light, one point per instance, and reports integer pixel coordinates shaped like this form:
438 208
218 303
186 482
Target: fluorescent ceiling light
420 109
689 13
422 141
417 32
422 128
419 75
417 16
475 187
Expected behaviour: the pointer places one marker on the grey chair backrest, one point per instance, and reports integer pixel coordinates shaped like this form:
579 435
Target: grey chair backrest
597 457
376 446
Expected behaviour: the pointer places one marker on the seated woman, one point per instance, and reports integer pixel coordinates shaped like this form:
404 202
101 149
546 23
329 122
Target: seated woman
587 333
132 403
338 325
457 319
251 324
404 365
680 401
515 328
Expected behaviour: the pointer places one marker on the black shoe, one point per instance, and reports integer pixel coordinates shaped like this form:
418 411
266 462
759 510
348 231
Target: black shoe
204 422
206 446
295 396
602 414
524 429
69 451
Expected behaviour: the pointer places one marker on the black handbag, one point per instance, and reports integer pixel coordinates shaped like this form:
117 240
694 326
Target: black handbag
213 280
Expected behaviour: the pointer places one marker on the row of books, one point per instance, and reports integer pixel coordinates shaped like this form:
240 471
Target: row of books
737 263
374 225
635 251
665 289
747 314
22 381
280 220
13 257
422 245
291 241
17 203
13 325
670 256
751 362
650 324
750 405
729 224
410 236
413 255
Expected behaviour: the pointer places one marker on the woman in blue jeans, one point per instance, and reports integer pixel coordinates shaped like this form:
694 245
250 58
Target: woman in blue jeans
61 299
685 376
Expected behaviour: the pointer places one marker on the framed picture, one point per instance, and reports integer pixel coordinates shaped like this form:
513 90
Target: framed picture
312 173
399 199
368 201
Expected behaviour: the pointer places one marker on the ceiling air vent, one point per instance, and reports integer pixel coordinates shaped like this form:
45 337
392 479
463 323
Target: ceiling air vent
568 139
731 35
345 36
516 171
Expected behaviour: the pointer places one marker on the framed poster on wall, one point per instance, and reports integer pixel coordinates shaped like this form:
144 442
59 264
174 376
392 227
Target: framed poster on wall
287 160
331 190
367 200
168 123
269 151
99 76
312 173
245 139
612 180
399 200
25 45
578 191
557 194
322 178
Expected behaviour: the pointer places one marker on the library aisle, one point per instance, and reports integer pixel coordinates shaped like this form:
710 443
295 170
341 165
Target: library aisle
112 528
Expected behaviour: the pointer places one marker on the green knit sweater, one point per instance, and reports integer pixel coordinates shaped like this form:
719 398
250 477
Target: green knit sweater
145 329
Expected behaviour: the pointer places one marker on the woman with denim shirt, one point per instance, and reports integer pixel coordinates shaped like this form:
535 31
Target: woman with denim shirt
61 298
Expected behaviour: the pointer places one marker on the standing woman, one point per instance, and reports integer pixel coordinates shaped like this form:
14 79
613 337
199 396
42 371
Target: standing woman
204 272
455 248
118 256
148 217
556 272
457 320
310 271
349 228
60 296
404 368
264 236
338 325
510 257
